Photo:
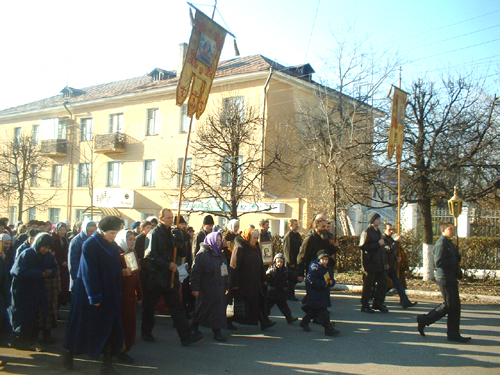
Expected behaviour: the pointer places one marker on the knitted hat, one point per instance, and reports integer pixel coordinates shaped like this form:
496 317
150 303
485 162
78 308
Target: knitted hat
181 220
136 224
374 217
41 240
279 255
321 254
110 223
208 220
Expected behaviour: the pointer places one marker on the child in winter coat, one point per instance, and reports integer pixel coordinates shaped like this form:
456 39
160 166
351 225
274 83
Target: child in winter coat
318 282
278 277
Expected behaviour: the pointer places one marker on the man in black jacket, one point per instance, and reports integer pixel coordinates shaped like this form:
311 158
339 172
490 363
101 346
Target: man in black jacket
447 259
374 265
161 264
291 246
391 248
207 227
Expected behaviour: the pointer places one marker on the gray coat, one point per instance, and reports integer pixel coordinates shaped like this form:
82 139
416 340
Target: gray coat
207 278
447 260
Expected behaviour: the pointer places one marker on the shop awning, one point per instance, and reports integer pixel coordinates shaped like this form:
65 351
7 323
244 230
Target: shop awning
104 211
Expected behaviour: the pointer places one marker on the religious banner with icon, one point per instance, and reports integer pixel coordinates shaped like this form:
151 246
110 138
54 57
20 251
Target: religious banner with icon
200 64
396 133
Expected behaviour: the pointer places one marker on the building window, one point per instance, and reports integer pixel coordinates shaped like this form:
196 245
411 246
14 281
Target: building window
232 104
153 125
54 215
17 136
33 175
52 128
116 123
35 135
184 125
226 171
31 213
86 128
79 214
83 174
56 179
149 173
114 172
13 214
187 176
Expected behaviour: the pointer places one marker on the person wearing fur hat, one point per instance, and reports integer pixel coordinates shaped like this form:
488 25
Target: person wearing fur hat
278 276
318 283
95 325
29 293
210 284
374 262
207 227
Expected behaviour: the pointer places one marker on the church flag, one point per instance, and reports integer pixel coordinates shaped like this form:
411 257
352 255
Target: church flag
396 132
200 64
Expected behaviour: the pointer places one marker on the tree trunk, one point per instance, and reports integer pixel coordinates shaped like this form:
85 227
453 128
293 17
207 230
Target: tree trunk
428 247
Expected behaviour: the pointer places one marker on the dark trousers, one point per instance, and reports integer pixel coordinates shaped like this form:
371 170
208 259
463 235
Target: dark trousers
282 305
291 289
322 314
173 301
393 275
377 280
450 307
188 300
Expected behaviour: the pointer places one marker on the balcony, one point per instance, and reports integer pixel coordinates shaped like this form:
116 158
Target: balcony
54 147
109 143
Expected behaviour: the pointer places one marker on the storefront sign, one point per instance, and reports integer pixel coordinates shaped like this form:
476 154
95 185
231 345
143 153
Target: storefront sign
215 205
114 198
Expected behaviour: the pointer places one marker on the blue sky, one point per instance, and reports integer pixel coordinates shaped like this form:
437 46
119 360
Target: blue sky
47 44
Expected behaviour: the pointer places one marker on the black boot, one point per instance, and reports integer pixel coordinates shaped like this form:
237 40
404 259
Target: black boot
107 366
219 336
67 359
47 337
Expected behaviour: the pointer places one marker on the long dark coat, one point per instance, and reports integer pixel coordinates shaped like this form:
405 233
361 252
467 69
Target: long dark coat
317 288
29 293
5 300
248 275
207 278
314 242
131 293
373 257
98 281
60 249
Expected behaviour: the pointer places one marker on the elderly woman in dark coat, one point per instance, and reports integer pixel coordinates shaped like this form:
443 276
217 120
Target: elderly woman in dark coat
60 249
5 300
131 294
248 279
209 284
29 294
94 324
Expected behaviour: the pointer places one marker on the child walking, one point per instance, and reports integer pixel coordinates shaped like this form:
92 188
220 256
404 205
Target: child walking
318 282
278 277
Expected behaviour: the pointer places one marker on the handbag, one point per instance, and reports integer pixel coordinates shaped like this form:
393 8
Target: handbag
230 310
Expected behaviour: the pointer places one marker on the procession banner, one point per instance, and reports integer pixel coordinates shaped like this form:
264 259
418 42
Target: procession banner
396 132
200 64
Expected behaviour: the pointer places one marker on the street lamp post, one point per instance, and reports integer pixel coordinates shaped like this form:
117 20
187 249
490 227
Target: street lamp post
455 207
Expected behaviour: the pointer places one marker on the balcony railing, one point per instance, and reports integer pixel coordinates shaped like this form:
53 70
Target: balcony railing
54 147
109 143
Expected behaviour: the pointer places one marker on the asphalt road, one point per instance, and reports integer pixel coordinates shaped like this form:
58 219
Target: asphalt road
368 344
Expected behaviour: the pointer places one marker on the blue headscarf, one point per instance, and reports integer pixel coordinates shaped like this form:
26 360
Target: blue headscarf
211 240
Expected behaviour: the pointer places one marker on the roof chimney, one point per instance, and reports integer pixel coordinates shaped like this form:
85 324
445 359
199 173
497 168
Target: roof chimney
182 55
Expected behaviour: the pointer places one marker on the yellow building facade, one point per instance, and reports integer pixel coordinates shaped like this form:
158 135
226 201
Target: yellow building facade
109 146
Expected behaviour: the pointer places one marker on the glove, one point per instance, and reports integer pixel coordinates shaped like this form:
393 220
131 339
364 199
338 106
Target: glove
178 238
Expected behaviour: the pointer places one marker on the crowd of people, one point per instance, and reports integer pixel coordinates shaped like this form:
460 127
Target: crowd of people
213 278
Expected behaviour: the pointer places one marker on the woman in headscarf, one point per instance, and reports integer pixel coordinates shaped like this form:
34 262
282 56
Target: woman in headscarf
75 230
228 240
209 284
94 324
8 250
29 294
248 279
75 249
131 295
60 248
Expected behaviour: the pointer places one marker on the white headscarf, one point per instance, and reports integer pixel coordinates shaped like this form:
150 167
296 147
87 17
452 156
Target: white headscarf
5 237
121 239
85 223
231 224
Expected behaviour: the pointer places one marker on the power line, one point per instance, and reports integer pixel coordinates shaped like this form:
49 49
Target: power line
458 49
310 36
440 28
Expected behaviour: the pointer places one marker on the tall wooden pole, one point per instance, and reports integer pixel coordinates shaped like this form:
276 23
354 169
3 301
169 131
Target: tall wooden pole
399 178
183 174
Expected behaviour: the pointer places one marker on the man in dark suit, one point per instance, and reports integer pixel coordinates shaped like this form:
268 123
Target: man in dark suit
447 259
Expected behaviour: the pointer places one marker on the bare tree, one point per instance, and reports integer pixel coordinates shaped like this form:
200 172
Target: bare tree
336 131
228 160
21 170
451 139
